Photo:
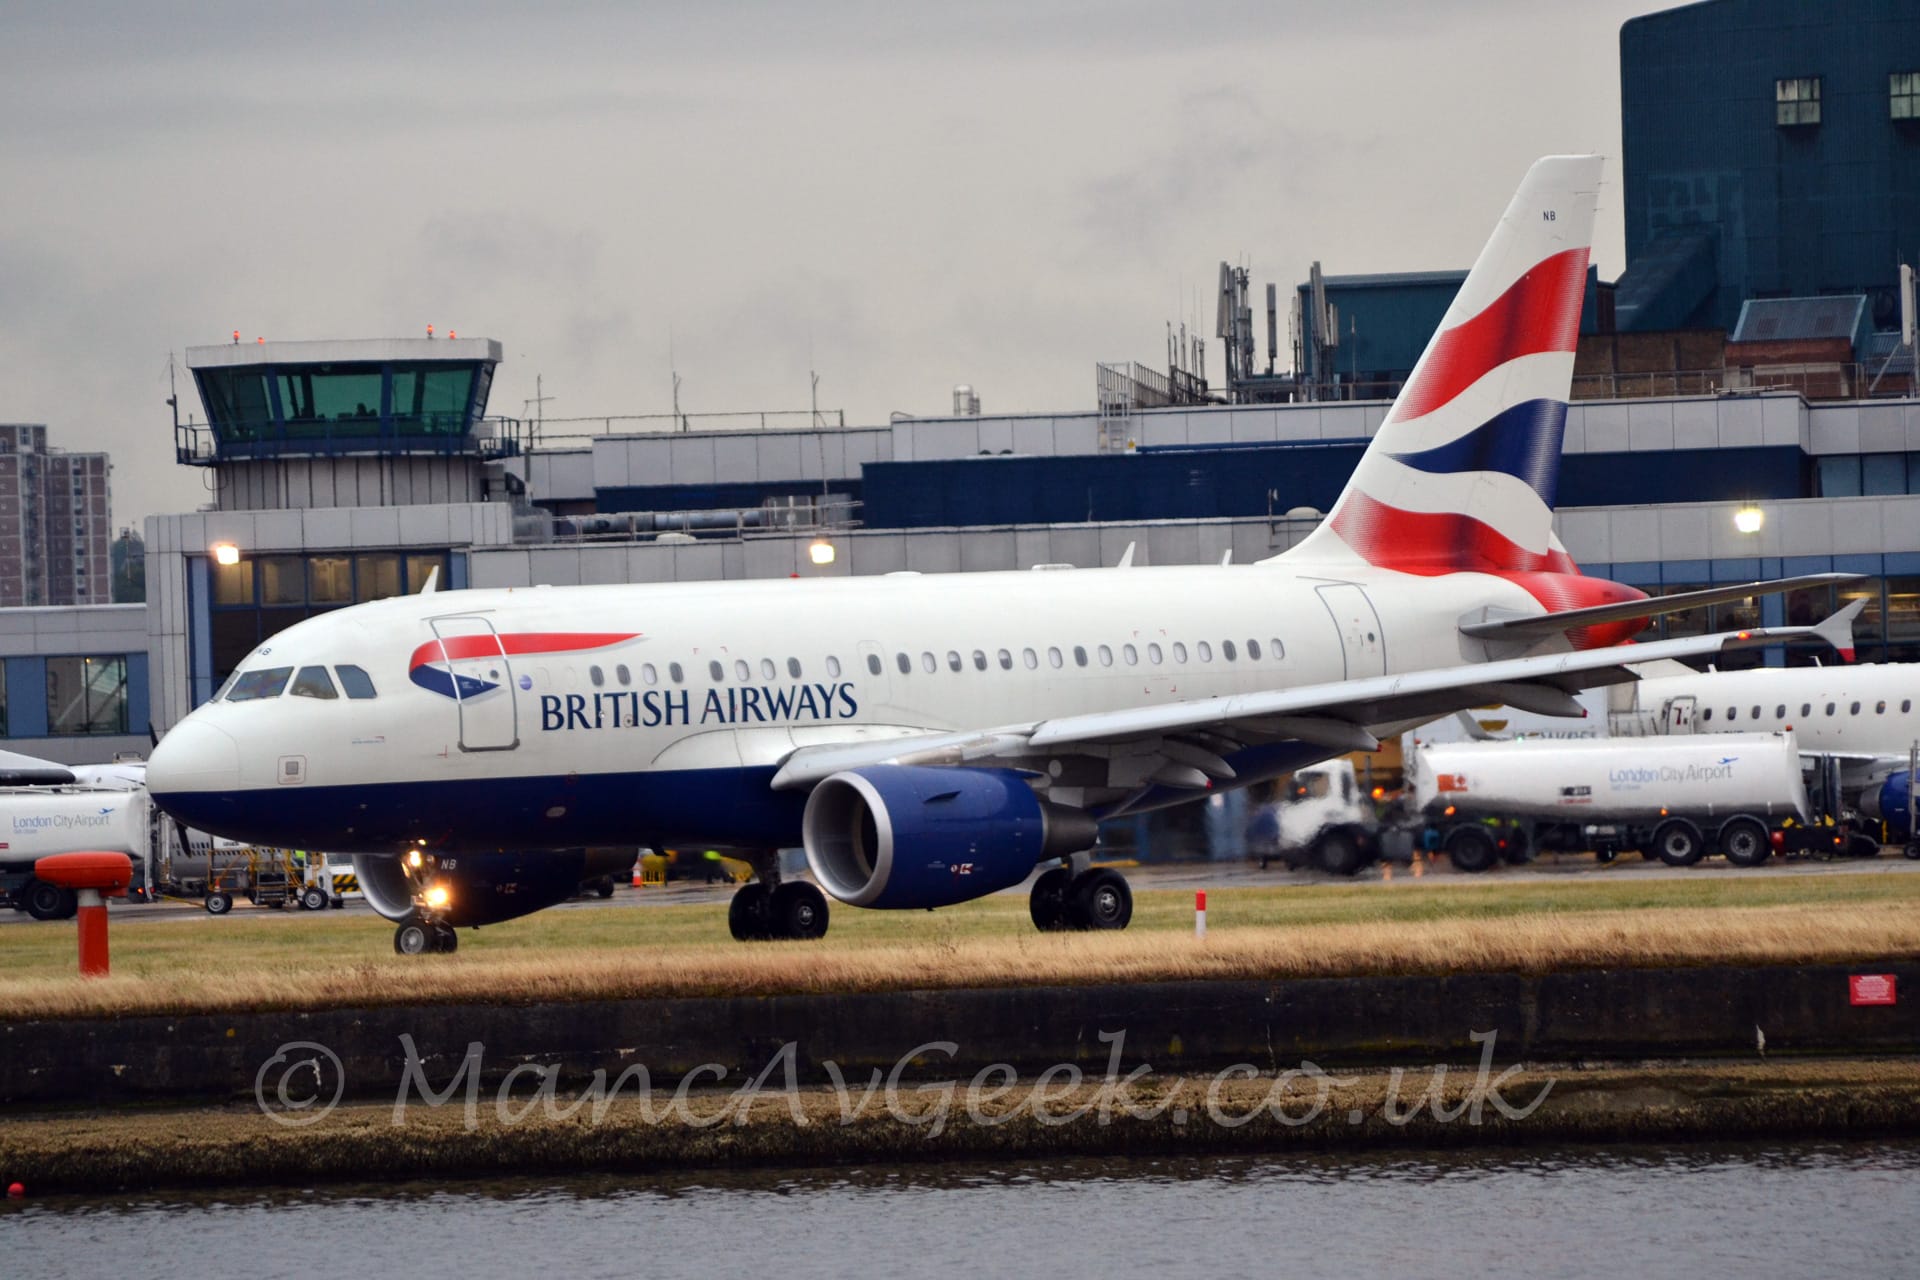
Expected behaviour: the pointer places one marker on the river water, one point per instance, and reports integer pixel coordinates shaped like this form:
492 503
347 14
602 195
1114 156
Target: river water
1765 1210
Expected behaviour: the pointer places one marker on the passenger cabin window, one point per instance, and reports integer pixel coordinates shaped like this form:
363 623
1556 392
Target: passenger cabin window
1277 649
1806 709
1153 654
1879 708
1253 650
1079 655
742 670
1105 655
766 669
793 668
833 666
1906 705
927 661
1226 650
1706 715
1854 710
623 675
266 682
953 660
1733 713
597 676
979 659
1131 654
873 663
1780 712
1756 713
313 682
1029 657
1179 651
1829 708
1204 651
715 670
649 674
355 681
675 674
1005 657
904 663
1054 657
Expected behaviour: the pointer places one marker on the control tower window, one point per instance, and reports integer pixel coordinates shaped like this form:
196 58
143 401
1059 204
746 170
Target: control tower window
313 682
431 399
355 681
1797 101
318 400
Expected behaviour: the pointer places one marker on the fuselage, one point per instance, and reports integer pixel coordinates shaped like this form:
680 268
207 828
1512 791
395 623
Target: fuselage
576 716
1872 709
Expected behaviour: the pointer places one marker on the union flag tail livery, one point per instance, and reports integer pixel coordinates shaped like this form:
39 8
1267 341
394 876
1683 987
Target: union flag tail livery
1460 478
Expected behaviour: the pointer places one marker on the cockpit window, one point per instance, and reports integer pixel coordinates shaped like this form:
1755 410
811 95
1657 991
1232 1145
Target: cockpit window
355 681
263 682
313 682
221 692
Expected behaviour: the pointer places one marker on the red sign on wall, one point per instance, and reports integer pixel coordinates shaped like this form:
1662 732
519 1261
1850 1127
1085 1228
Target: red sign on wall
1870 988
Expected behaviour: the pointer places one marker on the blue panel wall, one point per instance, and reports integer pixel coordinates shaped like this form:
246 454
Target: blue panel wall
138 713
710 497
1799 210
26 697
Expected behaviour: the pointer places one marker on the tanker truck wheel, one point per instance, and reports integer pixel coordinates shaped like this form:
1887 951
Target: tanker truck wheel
1471 849
1678 844
1743 842
1338 853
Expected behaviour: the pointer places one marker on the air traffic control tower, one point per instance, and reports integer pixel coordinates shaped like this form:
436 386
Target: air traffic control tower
368 422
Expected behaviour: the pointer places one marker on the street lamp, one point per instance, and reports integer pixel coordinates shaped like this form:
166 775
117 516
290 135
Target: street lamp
821 551
225 553
1748 519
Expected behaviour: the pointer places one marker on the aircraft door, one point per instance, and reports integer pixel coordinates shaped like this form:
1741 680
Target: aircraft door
1354 618
482 683
1679 716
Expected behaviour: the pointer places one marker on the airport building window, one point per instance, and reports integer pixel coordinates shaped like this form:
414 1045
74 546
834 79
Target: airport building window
1796 101
86 695
357 683
376 577
313 682
1883 474
330 580
233 583
716 671
1903 95
675 674
1839 477
283 580
1079 655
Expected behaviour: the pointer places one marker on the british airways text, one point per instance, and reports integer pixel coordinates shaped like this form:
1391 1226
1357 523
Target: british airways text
654 708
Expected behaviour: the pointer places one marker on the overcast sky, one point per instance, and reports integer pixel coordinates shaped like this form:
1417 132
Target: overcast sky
900 195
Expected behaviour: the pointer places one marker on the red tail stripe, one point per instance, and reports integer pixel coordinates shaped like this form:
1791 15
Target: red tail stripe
1539 312
1433 543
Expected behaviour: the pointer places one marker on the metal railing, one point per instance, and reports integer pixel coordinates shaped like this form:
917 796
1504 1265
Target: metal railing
837 515
198 444
546 436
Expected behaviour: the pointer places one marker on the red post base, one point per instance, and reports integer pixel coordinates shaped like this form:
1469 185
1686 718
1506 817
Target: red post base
93 934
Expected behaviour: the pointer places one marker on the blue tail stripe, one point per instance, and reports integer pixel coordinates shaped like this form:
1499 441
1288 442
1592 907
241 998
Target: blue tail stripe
1523 441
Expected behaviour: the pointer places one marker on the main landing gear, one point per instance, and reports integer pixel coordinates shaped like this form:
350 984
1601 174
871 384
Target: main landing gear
1092 898
419 937
766 907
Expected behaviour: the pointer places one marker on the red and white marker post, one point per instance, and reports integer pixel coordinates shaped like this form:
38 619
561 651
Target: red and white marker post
1200 914
94 877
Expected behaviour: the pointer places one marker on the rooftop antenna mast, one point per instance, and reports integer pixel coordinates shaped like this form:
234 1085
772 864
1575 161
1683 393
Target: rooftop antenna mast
674 372
538 404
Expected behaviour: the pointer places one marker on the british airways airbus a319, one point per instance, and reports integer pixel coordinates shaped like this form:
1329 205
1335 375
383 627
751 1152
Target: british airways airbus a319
932 739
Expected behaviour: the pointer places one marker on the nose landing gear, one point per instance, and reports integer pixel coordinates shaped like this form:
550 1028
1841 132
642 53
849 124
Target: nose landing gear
421 936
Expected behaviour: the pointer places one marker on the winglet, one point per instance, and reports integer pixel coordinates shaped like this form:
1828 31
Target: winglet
1838 630
432 583
1126 558
1227 559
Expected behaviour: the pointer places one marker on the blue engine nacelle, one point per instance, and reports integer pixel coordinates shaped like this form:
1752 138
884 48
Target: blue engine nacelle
483 888
909 836
1888 801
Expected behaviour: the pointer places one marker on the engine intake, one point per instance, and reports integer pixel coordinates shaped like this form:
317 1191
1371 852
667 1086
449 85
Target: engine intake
908 836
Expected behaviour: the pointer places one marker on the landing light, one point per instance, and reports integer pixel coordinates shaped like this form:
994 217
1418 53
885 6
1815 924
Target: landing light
1749 519
437 896
413 858
821 552
225 553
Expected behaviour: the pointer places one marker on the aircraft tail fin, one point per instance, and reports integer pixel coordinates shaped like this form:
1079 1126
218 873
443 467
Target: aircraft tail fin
1460 477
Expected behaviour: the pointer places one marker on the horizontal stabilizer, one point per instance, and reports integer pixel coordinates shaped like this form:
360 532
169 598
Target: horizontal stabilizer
1538 626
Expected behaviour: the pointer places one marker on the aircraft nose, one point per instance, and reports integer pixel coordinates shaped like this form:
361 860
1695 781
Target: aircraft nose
194 759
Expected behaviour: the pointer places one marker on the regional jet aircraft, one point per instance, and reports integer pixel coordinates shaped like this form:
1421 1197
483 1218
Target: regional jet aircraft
932 739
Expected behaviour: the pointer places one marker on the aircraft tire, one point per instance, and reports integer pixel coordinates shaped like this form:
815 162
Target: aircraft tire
749 913
1678 843
413 938
799 911
1100 900
1047 900
1471 850
1743 842
446 939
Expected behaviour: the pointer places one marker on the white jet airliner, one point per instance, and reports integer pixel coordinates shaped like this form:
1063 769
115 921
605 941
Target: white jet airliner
929 740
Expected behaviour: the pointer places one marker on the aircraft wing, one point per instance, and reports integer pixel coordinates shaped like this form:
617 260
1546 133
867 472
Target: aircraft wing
1541 626
17 770
1184 744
